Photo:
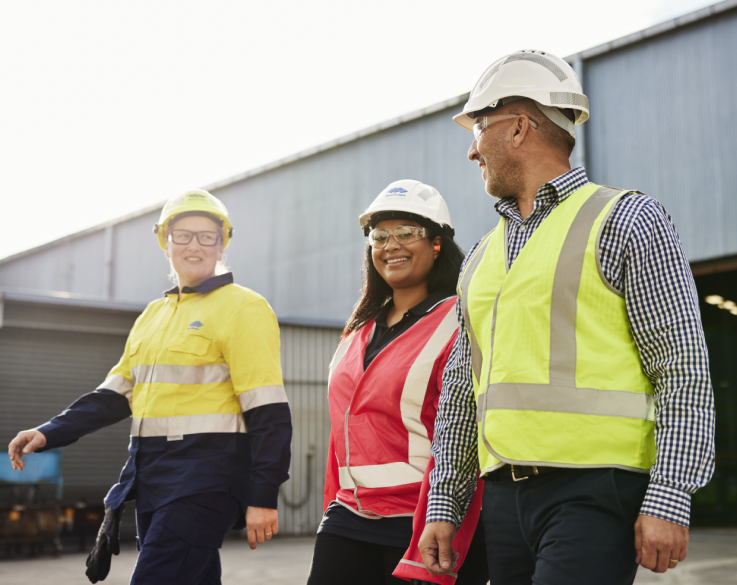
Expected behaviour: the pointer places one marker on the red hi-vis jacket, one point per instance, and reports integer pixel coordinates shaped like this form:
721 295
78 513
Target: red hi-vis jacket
382 419
382 422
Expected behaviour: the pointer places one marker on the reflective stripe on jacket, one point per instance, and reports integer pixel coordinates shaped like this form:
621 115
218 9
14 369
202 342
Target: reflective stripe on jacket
557 374
382 418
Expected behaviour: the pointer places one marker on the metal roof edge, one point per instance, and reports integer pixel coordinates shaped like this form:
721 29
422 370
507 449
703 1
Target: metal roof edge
85 232
375 129
655 30
68 300
310 322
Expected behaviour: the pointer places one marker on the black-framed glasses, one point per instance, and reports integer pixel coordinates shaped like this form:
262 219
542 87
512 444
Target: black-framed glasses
185 237
404 234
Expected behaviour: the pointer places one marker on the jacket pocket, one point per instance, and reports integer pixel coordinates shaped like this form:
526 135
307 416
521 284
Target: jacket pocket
192 344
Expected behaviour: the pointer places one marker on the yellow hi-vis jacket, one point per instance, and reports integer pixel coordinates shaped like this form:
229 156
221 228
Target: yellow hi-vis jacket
203 379
557 375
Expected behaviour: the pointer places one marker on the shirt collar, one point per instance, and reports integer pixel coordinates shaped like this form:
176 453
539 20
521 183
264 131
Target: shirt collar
205 286
420 309
559 188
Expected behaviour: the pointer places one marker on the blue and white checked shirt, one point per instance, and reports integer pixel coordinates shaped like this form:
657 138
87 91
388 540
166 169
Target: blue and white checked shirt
641 256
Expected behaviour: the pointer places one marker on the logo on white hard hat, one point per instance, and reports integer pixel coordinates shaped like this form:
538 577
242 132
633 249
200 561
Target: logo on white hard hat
396 192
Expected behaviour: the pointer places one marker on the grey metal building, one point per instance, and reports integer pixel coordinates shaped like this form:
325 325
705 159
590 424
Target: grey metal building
662 121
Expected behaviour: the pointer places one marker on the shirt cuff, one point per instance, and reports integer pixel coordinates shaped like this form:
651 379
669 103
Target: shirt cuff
264 496
53 436
666 502
442 508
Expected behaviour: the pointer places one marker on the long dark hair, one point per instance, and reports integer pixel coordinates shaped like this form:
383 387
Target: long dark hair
376 292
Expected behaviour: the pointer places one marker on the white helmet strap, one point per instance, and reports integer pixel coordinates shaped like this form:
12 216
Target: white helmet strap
558 118
551 113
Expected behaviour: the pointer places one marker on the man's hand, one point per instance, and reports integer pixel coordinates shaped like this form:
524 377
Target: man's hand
261 523
437 554
24 443
659 543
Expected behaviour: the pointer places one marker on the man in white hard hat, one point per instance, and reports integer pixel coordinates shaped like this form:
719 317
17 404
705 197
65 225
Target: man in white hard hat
579 381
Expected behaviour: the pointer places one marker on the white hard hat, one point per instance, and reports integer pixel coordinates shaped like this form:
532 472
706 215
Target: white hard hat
537 75
411 198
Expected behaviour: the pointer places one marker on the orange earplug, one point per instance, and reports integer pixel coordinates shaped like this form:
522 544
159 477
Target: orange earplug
436 247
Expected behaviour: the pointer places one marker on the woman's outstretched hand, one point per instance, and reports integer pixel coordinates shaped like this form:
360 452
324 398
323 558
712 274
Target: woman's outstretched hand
24 443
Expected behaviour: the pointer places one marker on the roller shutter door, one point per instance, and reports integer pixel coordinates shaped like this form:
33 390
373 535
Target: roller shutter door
41 373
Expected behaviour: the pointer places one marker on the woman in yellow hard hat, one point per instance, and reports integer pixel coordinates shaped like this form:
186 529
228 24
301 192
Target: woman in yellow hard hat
211 427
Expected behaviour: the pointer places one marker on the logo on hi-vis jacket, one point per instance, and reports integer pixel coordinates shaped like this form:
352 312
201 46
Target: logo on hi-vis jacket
195 325
396 192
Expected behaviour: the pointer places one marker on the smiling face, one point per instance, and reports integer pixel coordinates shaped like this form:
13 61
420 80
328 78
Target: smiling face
193 262
404 266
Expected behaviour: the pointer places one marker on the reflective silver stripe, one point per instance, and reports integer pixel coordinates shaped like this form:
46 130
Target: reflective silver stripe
119 384
167 374
604 221
553 398
379 476
473 264
188 425
347 453
415 388
262 396
566 282
416 564
338 356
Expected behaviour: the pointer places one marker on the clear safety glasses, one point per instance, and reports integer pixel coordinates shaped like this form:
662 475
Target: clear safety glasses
483 123
404 234
185 237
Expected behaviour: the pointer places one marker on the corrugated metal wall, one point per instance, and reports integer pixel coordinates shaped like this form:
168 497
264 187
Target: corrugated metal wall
41 373
43 370
663 121
306 353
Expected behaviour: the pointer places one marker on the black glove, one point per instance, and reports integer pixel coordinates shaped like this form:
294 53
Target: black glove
106 545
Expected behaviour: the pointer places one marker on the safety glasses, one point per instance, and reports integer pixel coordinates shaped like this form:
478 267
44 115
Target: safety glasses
483 123
404 234
185 237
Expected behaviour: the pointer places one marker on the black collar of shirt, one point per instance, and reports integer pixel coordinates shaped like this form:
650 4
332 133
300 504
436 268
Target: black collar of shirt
421 308
205 286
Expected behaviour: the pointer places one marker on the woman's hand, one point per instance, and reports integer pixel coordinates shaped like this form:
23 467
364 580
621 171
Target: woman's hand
261 524
24 443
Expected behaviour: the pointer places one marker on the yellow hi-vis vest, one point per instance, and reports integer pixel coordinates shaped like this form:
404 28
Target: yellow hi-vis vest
557 375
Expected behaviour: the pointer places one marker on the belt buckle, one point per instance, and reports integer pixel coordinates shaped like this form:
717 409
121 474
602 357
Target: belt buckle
515 478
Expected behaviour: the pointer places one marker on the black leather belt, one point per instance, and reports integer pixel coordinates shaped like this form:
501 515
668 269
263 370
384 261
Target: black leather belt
518 472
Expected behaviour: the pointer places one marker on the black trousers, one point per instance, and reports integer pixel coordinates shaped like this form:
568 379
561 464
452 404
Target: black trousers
568 527
340 561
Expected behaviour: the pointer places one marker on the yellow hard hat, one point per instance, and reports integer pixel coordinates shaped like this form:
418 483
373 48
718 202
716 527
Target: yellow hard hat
195 200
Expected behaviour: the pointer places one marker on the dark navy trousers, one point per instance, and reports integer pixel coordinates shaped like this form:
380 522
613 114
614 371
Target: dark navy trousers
179 542
568 527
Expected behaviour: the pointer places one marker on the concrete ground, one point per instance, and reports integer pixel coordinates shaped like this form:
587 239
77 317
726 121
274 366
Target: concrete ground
712 560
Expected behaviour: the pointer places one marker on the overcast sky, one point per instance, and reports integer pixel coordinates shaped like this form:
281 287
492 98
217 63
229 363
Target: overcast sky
109 107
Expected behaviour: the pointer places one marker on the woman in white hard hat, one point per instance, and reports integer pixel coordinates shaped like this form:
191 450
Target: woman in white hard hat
201 366
384 388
